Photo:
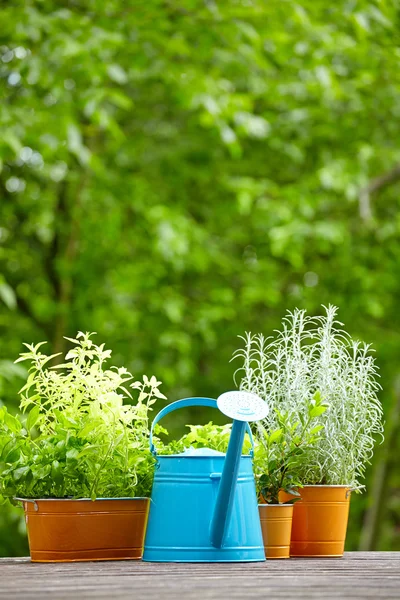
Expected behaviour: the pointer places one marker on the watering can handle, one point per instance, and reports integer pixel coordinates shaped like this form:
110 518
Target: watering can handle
183 404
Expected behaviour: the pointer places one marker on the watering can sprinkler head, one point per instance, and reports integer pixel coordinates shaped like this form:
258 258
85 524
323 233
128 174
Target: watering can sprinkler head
242 407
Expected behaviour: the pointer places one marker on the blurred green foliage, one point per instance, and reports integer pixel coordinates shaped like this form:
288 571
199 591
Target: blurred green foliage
174 174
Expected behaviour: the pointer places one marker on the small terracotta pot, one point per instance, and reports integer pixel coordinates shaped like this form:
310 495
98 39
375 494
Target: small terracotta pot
276 526
76 530
319 520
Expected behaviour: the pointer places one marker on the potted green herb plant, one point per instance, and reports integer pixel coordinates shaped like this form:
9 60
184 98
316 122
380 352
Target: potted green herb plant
307 355
215 437
79 457
279 458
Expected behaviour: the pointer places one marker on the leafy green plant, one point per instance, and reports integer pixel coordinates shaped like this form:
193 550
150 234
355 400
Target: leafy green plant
211 436
78 438
309 355
281 453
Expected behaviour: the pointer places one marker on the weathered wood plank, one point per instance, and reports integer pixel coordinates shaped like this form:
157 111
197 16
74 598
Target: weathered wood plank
358 575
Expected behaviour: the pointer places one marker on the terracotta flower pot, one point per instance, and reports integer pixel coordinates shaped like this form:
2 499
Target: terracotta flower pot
319 520
78 530
276 526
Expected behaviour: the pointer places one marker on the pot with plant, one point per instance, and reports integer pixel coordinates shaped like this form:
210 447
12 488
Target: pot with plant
279 457
314 354
78 459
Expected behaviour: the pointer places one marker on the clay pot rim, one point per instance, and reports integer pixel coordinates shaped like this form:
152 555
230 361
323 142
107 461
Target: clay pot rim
285 504
323 485
79 499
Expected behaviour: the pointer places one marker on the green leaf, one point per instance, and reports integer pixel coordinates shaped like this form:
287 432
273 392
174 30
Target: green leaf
12 423
21 473
117 73
33 416
316 411
56 472
12 456
9 138
30 381
317 397
76 146
275 436
316 429
41 471
8 296
88 428
160 429
48 358
158 394
88 450
72 455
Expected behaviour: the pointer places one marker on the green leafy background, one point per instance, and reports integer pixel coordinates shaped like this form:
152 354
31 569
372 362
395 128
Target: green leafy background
173 174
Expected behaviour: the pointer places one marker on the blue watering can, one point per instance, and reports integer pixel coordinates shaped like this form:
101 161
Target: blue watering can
204 506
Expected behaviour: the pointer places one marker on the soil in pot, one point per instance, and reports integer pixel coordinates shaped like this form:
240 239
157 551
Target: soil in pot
319 520
276 525
77 530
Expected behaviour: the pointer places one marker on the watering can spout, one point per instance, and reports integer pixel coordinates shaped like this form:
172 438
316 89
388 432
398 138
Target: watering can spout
226 491
242 407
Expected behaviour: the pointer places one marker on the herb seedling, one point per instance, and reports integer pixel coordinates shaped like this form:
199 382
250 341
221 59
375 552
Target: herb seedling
280 453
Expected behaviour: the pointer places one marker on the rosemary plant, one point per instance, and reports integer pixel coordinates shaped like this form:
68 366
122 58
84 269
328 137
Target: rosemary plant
310 355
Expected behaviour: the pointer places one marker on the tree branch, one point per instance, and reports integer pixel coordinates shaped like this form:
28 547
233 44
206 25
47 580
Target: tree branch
25 309
384 466
376 184
55 246
68 211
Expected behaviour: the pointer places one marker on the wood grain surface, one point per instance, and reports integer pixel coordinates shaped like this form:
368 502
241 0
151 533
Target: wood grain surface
357 575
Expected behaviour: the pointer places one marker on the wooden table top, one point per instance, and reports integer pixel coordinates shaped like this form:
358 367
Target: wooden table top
357 575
